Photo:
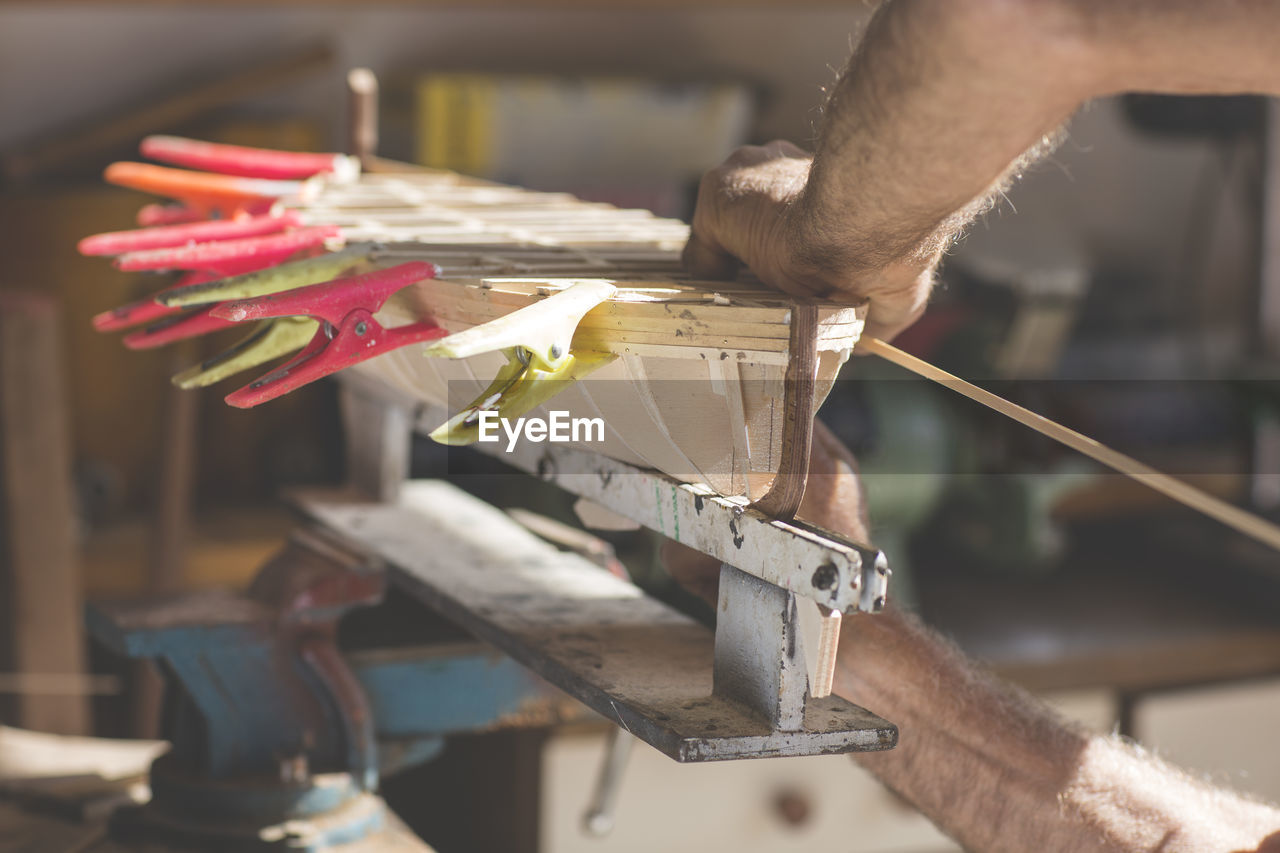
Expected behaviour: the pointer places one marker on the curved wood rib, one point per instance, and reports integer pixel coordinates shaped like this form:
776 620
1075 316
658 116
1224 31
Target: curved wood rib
784 495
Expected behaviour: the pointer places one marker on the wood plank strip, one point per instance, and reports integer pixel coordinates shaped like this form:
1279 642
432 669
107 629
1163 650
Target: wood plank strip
1232 516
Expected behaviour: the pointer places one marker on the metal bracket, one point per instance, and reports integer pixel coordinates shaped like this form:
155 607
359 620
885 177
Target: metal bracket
811 562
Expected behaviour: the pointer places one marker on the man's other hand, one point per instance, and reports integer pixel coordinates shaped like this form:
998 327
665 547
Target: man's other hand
832 499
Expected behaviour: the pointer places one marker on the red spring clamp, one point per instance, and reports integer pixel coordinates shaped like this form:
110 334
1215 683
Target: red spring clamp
146 310
348 332
164 325
173 236
207 262
232 257
178 326
168 214
246 162
181 214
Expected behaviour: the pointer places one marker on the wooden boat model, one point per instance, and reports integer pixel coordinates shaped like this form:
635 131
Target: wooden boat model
696 379
697 387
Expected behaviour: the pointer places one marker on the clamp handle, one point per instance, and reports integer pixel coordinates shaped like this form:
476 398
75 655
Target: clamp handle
348 332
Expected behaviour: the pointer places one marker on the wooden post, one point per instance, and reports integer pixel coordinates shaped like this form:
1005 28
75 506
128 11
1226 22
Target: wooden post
379 435
170 526
362 120
41 607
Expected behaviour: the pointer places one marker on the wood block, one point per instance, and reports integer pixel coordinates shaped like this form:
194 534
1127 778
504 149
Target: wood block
41 612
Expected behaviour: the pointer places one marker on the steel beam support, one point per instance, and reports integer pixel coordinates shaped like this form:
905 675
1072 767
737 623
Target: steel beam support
759 661
629 657
817 564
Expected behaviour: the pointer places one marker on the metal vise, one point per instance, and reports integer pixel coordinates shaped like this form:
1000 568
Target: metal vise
279 739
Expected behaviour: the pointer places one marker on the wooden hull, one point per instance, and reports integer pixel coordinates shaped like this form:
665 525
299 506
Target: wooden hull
689 393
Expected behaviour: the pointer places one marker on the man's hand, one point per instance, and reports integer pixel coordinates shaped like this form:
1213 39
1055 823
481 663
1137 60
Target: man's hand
752 210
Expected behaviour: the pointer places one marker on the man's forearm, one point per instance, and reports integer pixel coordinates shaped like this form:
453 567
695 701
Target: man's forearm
992 767
1000 772
943 102
937 103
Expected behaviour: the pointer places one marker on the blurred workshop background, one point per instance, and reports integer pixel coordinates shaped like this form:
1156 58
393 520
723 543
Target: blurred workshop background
1127 286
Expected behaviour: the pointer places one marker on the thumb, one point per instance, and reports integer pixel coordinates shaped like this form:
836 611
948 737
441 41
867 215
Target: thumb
704 259
887 324
894 309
